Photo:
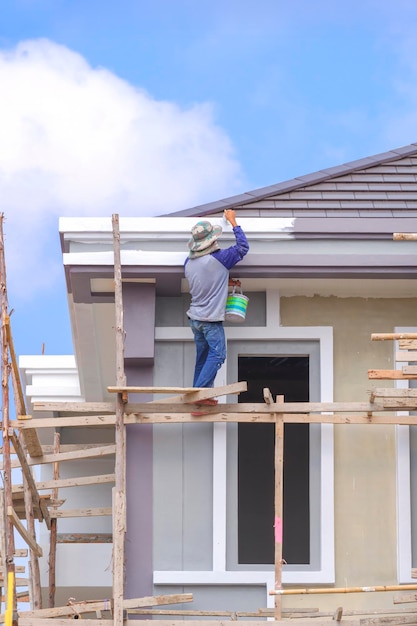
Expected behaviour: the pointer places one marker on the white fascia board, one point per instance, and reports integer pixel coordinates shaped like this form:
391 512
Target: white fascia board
94 230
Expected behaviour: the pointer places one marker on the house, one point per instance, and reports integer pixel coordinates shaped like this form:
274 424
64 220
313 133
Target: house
323 273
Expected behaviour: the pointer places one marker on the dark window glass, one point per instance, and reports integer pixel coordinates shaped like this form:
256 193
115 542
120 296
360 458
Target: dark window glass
287 376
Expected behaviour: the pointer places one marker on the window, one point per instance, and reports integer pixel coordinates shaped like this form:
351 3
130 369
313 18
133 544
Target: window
292 369
287 376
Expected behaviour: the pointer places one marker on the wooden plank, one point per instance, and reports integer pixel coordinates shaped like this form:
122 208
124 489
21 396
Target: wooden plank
71 447
136 603
233 615
392 392
21 582
98 512
401 403
184 392
31 438
75 407
82 608
75 482
407 356
410 597
207 392
407 344
395 620
258 414
23 532
409 370
391 375
84 538
268 396
26 471
45 621
248 407
19 569
66 422
288 612
292 418
153 389
303 418
20 553
32 443
20 506
89 453
45 512
33 621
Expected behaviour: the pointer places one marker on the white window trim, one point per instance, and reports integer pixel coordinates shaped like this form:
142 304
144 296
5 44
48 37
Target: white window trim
219 575
404 533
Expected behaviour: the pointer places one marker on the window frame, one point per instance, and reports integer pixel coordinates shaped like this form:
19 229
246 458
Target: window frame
404 521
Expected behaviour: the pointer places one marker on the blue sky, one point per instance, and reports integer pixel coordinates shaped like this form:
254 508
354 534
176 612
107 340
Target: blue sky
144 107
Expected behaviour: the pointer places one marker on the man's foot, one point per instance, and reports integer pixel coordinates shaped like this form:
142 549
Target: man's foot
207 401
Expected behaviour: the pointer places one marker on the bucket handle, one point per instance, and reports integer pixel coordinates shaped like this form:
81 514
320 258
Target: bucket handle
232 293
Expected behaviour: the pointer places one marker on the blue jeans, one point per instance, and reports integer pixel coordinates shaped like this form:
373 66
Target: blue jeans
210 343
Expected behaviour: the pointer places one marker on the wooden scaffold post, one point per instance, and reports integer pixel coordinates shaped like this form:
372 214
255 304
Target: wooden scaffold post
119 492
54 529
278 525
7 472
30 493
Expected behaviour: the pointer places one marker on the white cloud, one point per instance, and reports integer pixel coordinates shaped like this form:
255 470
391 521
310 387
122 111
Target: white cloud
77 140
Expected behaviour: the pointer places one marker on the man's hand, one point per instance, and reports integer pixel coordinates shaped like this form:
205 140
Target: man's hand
230 215
234 282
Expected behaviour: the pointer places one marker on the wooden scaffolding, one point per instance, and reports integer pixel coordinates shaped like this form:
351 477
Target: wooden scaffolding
22 449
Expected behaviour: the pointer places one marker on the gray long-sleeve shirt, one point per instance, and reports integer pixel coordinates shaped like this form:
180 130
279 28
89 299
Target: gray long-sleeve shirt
208 279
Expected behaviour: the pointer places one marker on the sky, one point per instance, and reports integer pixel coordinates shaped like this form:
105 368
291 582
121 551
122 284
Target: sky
146 107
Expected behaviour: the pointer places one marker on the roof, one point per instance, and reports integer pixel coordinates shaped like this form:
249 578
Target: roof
384 185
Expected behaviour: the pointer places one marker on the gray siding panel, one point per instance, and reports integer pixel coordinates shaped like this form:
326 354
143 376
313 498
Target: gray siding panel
183 463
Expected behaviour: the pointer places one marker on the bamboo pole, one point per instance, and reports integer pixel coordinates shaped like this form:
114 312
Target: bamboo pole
404 236
7 471
326 590
119 491
53 533
391 336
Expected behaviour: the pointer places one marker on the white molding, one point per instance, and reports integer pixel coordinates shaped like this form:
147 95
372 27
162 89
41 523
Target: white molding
404 527
403 506
220 483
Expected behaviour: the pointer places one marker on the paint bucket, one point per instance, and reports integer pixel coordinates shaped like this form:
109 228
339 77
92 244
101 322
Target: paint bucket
236 306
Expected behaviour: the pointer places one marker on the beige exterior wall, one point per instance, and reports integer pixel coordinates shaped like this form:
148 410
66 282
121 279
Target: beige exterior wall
365 470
